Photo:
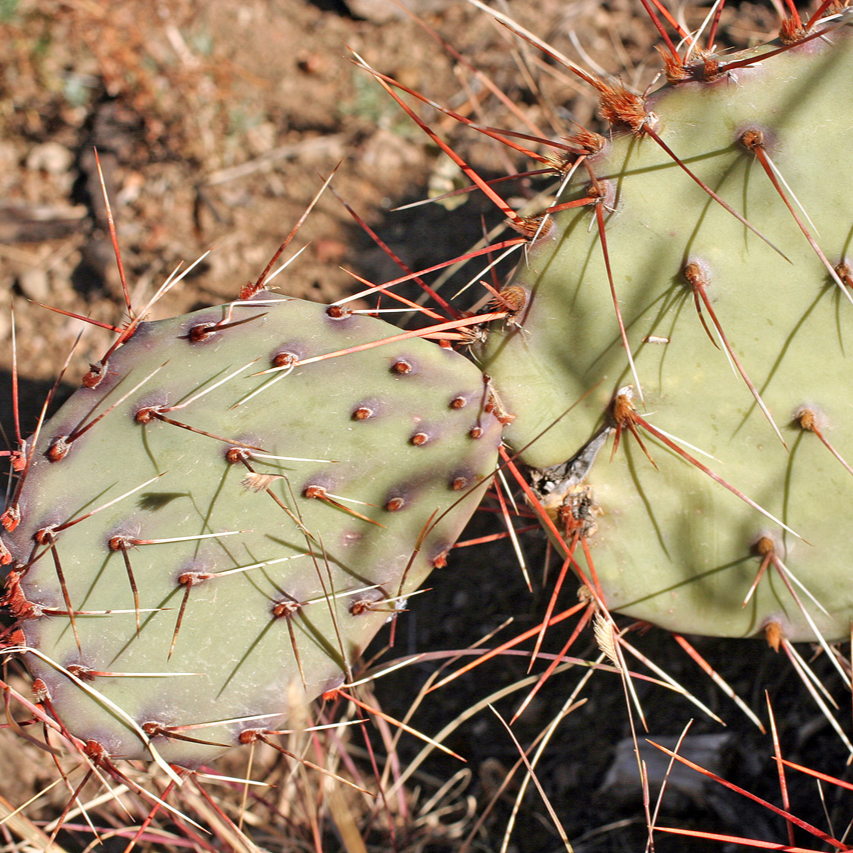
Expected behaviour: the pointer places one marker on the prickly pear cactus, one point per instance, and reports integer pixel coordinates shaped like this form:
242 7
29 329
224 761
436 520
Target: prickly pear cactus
211 530
727 386
199 543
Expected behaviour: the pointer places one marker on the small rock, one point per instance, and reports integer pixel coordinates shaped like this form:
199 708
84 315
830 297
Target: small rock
383 11
35 284
261 138
50 157
329 251
388 154
684 786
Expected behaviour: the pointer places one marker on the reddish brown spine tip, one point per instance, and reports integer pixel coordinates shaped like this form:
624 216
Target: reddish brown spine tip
93 378
285 608
249 736
120 543
201 332
11 517
84 673
752 138
145 414
284 359
774 635
338 312
315 491
58 449
235 455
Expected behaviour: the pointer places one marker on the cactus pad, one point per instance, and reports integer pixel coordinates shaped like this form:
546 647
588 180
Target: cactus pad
278 519
709 308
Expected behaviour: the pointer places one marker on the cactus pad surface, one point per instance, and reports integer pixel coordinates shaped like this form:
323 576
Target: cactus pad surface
277 519
710 305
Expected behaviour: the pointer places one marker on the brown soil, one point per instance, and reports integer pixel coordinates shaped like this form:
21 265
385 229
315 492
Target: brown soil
216 125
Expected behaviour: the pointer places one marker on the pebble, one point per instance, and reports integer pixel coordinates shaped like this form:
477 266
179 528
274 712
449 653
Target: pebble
50 157
35 284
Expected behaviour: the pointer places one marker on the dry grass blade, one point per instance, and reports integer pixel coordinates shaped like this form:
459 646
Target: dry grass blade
24 828
559 826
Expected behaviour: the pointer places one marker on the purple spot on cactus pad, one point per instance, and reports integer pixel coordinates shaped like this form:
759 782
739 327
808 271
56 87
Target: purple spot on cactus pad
438 555
319 484
351 537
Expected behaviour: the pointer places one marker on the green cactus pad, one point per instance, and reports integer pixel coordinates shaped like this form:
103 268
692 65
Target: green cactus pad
333 487
673 546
